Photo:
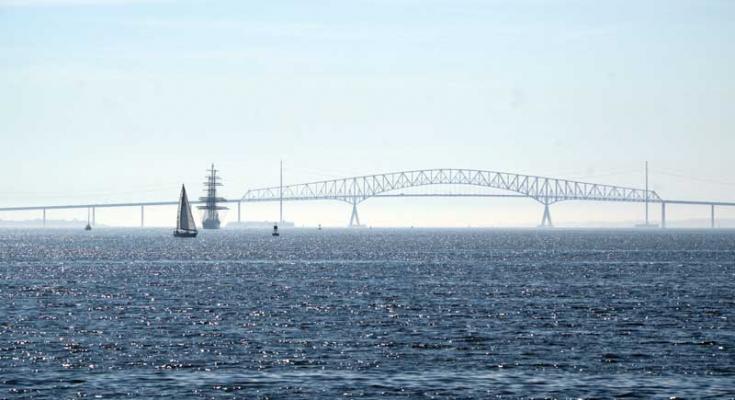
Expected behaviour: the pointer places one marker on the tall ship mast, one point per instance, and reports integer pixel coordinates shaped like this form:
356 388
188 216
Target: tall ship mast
210 200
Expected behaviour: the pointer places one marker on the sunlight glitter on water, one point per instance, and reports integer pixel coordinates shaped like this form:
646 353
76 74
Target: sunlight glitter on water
437 313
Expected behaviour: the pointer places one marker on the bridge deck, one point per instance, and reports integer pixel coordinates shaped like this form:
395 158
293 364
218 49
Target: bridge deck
385 195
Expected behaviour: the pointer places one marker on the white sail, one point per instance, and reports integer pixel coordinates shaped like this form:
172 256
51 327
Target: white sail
185 220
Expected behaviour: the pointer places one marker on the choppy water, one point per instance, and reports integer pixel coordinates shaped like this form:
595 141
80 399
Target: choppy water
370 313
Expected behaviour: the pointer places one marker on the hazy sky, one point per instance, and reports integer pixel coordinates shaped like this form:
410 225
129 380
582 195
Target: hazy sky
125 100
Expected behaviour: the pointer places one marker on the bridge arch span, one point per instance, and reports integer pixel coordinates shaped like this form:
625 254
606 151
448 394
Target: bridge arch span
545 190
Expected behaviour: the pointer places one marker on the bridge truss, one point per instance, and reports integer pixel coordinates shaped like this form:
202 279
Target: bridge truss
545 190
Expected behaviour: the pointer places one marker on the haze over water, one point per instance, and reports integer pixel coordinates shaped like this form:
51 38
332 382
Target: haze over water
367 313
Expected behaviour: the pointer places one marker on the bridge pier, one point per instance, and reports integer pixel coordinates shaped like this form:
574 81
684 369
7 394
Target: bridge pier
142 216
94 218
712 216
663 215
546 219
44 217
238 211
354 218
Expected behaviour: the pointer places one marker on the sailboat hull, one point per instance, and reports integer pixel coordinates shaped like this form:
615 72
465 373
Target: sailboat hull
185 234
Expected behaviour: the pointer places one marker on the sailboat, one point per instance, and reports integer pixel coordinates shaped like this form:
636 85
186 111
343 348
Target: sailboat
185 225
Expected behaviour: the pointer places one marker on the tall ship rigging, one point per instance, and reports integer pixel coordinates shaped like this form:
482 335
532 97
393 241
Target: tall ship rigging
210 207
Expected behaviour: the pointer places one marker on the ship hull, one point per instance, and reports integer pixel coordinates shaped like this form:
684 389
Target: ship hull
210 224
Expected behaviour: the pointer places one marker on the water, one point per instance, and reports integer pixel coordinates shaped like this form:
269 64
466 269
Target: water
368 313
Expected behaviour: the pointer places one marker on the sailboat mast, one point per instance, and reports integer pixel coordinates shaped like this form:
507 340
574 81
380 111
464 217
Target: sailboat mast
178 211
646 193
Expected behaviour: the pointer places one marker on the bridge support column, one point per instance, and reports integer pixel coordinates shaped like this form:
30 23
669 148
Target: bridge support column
238 212
142 216
354 218
94 218
712 216
44 217
546 219
663 215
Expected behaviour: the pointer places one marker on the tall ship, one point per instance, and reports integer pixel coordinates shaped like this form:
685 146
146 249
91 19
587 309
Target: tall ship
210 200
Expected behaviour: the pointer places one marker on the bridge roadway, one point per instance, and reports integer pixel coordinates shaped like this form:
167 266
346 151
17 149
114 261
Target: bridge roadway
355 190
93 206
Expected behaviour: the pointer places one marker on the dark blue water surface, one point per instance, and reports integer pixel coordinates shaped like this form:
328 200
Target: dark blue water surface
367 313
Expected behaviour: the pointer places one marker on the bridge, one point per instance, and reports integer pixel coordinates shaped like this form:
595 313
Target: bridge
354 190
544 190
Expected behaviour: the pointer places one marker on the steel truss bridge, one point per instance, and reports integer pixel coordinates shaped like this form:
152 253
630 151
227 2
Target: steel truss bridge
354 190
544 190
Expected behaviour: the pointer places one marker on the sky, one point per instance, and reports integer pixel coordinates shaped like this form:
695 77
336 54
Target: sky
125 100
